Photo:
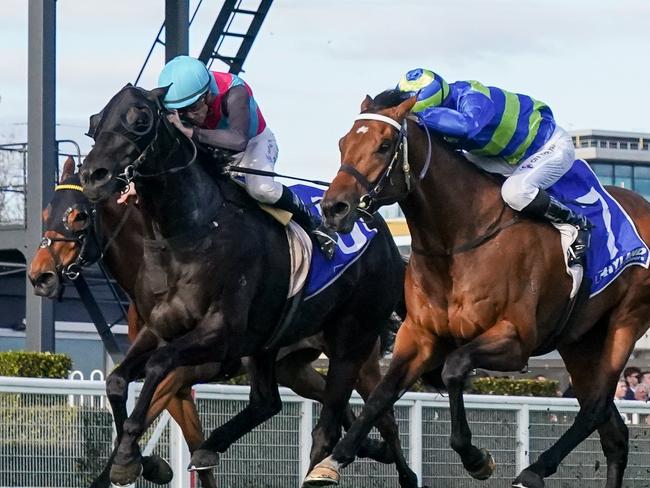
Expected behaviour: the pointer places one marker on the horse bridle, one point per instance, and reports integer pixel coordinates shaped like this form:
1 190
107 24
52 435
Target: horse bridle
131 172
88 240
371 199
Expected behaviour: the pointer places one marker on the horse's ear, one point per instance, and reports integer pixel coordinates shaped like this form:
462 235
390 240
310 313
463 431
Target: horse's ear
68 169
405 107
367 102
93 123
160 92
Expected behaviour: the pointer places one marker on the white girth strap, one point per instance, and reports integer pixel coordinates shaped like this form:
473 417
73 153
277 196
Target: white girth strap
381 118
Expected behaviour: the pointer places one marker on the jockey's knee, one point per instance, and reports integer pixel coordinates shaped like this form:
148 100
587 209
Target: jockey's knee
516 195
265 192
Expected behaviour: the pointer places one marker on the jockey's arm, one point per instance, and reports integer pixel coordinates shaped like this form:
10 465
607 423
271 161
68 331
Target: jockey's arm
474 112
235 106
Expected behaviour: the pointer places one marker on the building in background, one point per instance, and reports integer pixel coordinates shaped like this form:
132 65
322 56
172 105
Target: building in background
618 158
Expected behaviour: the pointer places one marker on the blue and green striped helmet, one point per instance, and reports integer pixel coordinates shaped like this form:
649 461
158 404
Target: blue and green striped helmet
431 88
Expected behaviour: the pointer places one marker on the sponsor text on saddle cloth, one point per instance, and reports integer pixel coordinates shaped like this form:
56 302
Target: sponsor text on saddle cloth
615 242
322 272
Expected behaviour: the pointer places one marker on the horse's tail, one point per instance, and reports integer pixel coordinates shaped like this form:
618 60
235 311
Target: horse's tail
388 333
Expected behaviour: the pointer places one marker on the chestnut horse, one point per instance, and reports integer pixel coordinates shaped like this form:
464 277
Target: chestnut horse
485 288
72 242
214 280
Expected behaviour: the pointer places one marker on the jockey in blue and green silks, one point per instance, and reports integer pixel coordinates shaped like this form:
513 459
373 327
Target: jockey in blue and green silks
507 133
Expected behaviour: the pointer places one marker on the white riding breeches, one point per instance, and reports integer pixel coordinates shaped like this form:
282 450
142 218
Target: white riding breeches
260 153
540 170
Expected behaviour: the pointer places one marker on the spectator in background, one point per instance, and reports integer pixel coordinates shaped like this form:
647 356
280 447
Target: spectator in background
632 376
645 378
621 390
641 393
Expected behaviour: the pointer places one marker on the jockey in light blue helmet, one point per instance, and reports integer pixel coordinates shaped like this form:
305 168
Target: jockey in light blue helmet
189 79
432 89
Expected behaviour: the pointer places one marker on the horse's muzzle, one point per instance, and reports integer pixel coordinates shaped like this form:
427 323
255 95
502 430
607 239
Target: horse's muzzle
97 184
338 214
46 284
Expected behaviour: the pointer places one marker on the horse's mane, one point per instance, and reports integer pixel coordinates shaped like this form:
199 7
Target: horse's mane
390 98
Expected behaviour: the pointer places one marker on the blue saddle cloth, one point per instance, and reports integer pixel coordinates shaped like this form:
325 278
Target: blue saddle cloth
615 242
351 246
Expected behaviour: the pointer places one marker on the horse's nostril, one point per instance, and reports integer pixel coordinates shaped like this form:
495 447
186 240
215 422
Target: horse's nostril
45 279
340 209
100 175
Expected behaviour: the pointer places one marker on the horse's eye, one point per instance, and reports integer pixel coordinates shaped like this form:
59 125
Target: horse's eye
81 217
384 147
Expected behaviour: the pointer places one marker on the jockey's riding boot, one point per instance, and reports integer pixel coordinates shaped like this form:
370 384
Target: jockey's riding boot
325 237
544 205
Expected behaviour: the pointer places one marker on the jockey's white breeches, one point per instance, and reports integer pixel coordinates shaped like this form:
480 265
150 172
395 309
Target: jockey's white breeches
540 170
260 153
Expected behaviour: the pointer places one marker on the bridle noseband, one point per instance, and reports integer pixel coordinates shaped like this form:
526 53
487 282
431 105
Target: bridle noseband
371 199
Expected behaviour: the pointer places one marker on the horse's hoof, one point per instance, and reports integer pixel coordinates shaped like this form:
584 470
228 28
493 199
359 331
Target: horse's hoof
126 474
408 480
325 473
487 467
528 479
156 470
203 459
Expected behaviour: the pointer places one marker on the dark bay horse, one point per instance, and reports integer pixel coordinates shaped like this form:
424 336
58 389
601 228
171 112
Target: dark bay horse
482 290
213 284
76 243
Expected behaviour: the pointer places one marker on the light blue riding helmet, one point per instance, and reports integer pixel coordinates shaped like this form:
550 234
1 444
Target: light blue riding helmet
432 89
189 79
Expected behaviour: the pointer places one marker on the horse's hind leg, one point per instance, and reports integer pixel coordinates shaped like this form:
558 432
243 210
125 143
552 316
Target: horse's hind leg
596 407
346 358
295 371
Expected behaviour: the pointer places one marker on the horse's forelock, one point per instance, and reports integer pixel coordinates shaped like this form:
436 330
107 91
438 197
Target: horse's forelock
389 98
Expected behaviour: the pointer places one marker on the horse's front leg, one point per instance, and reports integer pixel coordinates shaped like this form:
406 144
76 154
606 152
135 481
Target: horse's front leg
499 349
264 403
413 355
204 344
117 385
